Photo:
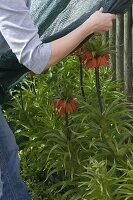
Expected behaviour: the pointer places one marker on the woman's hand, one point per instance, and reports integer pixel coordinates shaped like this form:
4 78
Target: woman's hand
101 22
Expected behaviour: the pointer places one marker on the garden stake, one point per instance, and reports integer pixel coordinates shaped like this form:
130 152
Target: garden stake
81 80
67 126
98 89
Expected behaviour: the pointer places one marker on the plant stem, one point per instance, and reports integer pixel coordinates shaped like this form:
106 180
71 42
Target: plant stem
67 127
21 97
98 89
33 85
22 104
81 80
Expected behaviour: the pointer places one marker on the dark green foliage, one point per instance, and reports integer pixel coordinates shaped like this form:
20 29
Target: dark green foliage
96 163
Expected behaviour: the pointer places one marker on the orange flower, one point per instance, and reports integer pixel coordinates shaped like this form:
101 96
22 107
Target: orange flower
90 62
87 57
62 107
103 61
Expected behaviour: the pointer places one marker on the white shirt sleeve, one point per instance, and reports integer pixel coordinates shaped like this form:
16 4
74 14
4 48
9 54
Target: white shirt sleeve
22 36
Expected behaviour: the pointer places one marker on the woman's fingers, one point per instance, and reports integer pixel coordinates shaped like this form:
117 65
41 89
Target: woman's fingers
101 10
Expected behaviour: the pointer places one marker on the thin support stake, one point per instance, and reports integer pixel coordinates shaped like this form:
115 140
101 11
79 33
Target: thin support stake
81 81
67 127
98 89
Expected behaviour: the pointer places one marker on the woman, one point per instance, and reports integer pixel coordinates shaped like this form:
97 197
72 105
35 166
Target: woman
19 34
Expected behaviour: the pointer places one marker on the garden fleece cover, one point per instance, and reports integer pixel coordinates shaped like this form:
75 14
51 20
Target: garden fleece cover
54 18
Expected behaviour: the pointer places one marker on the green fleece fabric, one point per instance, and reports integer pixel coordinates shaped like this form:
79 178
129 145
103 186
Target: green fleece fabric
54 20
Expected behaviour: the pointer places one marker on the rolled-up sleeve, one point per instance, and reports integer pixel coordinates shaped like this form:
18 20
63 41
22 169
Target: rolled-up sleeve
22 36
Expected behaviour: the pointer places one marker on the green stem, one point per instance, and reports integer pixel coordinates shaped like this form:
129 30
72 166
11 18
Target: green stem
21 97
33 86
22 104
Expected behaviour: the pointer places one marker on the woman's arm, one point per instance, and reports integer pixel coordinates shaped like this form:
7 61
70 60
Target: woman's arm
22 36
99 22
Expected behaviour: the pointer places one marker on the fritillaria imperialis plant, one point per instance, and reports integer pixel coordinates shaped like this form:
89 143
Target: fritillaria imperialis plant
63 108
73 152
93 55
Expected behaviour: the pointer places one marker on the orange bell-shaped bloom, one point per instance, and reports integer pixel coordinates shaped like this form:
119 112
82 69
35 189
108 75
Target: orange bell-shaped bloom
62 107
87 57
100 61
105 61
89 61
